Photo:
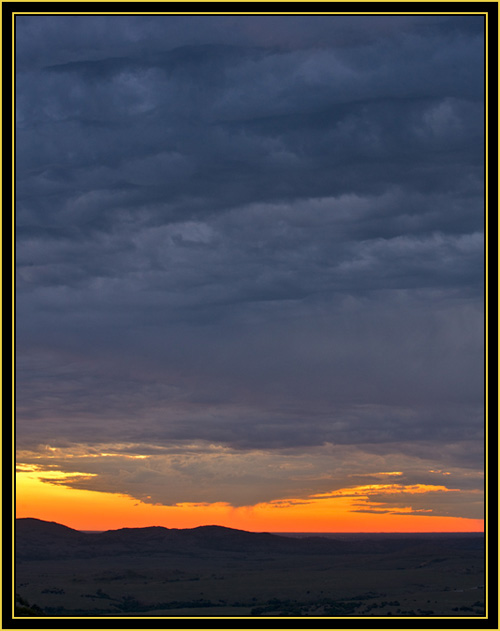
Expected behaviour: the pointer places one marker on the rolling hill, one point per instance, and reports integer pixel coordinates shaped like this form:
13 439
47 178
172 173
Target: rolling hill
37 539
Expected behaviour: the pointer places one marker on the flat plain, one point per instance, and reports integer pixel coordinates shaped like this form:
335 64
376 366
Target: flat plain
220 572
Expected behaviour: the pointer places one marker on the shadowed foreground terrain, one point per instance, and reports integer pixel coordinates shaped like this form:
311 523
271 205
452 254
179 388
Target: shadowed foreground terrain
216 571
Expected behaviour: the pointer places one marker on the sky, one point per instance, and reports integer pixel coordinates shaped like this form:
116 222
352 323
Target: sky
250 271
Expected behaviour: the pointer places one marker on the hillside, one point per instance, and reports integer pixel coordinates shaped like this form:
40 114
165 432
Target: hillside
217 571
37 539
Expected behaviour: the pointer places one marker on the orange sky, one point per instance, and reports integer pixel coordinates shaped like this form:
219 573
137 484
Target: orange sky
335 512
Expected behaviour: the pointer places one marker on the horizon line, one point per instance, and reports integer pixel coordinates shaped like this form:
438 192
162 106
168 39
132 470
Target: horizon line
276 532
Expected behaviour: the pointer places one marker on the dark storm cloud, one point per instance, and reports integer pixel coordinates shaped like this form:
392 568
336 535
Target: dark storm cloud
254 231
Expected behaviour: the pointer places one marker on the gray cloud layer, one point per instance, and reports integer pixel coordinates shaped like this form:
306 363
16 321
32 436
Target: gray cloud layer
260 232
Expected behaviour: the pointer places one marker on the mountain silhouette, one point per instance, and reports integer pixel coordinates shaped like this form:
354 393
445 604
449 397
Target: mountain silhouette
38 539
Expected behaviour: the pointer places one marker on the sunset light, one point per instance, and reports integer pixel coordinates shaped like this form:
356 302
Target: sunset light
250 312
346 510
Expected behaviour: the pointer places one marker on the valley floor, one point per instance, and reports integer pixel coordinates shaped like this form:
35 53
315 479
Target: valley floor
431 582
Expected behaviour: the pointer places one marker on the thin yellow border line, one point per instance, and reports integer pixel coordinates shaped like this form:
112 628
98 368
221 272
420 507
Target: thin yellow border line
475 618
472 619
1 281
486 566
270 14
13 320
485 14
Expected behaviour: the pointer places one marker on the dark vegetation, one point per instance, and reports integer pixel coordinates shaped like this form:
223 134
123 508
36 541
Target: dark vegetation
23 608
214 571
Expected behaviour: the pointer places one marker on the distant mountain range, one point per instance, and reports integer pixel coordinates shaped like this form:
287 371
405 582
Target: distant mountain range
37 539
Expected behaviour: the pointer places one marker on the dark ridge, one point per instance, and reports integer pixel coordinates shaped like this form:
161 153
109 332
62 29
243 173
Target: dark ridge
41 527
37 539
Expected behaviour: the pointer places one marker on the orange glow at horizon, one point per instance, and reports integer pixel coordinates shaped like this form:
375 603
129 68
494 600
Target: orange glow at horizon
93 510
